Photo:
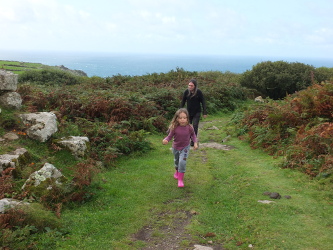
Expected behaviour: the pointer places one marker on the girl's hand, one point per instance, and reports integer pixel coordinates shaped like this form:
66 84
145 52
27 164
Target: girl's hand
195 146
165 142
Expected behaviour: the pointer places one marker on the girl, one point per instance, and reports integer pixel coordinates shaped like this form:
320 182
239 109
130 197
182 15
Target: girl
182 133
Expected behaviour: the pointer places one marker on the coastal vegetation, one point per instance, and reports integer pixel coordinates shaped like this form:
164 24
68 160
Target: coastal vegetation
125 118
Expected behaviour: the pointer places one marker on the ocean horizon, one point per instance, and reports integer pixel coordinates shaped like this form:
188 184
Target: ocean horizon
110 64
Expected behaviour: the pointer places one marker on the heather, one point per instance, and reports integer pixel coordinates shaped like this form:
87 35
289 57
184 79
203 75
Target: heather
299 128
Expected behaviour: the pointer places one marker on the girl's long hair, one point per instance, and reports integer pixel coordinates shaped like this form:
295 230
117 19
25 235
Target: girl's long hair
195 88
174 122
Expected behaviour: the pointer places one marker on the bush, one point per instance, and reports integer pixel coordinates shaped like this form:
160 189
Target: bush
22 227
324 74
48 77
278 79
299 127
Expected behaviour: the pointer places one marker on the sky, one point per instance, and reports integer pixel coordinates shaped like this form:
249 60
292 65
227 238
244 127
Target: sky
294 28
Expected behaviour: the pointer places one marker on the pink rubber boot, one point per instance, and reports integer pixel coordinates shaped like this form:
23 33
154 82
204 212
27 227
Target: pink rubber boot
180 179
176 174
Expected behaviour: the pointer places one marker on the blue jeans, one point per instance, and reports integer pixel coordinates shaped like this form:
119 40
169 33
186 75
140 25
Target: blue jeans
180 158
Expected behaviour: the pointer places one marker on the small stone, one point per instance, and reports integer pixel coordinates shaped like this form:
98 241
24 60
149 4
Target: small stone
11 136
287 196
266 193
275 195
265 201
198 247
193 212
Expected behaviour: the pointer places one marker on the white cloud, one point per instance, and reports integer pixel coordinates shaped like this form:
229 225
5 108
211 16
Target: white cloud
187 26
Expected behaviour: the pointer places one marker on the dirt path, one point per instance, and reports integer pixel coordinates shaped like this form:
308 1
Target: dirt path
169 232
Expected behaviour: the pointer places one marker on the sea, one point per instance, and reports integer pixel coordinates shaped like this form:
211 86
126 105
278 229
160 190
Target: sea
111 64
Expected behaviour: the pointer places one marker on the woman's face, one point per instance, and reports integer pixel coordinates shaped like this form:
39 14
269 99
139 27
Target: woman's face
191 86
182 119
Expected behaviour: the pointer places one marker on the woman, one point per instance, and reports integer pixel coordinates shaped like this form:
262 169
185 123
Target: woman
195 100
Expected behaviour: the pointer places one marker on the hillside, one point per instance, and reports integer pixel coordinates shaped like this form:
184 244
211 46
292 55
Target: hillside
20 67
125 118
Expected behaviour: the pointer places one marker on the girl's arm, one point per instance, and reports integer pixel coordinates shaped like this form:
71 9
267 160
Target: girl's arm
168 138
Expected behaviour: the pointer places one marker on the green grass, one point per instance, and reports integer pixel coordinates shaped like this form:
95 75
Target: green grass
223 187
20 67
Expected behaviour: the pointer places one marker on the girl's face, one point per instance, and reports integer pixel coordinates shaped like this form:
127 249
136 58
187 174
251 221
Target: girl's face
182 119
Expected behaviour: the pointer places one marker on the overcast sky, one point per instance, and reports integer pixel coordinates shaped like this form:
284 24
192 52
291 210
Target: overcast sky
295 28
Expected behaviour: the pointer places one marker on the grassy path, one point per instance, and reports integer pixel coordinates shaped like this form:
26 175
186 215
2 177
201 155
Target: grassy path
139 206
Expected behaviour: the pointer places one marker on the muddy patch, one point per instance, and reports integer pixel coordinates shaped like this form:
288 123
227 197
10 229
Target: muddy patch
167 232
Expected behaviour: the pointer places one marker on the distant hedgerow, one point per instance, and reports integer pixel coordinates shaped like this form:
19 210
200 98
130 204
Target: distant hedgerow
48 77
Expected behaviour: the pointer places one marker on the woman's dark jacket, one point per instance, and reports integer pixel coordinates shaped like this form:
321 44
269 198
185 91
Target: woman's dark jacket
193 102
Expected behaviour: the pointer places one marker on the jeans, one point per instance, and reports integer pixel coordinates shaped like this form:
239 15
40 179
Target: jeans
180 158
194 120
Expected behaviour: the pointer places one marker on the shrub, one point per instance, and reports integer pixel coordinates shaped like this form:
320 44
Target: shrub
277 79
22 226
299 127
48 77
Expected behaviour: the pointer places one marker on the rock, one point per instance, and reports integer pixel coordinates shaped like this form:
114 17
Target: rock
42 125
76 144
11 100
259 99
265 201
74 72
199 247
287 196
193 212
13 159
275 195
9 203
213 128
11 136
8 81
267 193
48 171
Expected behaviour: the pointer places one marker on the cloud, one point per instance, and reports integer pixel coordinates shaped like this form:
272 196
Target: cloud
167 26
41 23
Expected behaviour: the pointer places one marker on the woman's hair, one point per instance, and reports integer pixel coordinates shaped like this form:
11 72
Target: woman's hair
174 122
195 88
